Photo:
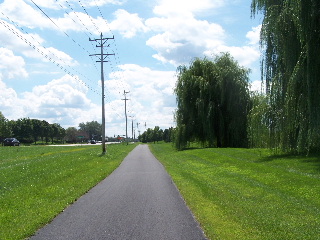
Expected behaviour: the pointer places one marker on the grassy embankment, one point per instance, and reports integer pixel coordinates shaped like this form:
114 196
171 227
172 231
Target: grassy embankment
247 193
38 182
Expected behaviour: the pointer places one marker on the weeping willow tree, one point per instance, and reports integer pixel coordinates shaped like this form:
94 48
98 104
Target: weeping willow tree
290 39
212 103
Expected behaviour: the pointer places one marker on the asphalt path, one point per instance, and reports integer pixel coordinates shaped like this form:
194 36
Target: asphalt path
137 201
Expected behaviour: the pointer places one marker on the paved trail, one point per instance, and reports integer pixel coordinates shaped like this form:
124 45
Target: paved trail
137 201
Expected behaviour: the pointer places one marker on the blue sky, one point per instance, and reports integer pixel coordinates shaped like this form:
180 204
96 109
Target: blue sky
46 72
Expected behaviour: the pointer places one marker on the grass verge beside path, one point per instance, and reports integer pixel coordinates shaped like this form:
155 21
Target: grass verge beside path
38 182
247 193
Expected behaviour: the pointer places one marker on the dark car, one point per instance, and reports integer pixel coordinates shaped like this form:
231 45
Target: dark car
93 141
11 142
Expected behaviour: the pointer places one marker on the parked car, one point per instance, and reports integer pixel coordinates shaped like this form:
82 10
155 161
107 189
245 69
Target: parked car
11 142
93 141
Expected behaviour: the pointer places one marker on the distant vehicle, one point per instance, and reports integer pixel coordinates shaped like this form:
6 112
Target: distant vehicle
93 141
11 142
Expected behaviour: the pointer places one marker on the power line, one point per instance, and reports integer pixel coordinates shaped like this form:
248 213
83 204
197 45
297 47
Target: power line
117 58
55 59
88 15
41 51
62 29
84 9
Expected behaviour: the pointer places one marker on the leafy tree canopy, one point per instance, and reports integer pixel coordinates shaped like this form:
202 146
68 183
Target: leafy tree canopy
212 103
290 39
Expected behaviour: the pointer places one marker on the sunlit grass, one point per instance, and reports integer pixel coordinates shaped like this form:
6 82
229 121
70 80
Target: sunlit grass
247 193
38 182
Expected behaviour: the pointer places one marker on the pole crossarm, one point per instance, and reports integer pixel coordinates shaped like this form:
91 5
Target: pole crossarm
99 54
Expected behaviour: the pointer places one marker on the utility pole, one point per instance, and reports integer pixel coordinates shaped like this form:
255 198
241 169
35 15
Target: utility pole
132 129
132 126
125 112
102 58
138 129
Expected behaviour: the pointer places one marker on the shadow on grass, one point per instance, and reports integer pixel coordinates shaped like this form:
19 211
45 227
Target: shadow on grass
192 148
312 159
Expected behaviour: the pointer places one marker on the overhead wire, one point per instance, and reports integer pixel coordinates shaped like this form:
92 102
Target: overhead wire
85 32
93 23
87 52
44 54
98 30
44 51
114 53
117 58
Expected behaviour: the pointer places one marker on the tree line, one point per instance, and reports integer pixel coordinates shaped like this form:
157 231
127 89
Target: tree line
216 108
28 130
156 135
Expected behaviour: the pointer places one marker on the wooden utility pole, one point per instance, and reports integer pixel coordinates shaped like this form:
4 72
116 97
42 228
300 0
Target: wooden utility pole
125 112
102 58
132 127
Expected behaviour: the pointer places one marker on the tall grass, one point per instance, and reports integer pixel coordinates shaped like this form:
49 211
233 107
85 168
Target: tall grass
247 193
38 182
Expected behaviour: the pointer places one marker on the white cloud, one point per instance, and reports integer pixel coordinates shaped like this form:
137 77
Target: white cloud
93 3
23 14
11 66
181 39
61 100
151 94
27 44
177 32
245 55
254 35
257 86
10 104
127 24
7 96
27 15
184 8
57 4
65 100
180 36
50 4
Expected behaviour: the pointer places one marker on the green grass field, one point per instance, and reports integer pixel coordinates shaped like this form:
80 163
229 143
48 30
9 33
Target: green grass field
38 182
247 193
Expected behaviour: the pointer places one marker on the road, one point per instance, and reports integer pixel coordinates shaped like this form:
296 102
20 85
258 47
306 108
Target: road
81 144
137 201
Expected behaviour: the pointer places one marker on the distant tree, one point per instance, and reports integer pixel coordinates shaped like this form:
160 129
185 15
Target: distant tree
93 129
5 129
61 134
55 131
71 134
156 134
212 103
22 129
37 129
167 134
46 131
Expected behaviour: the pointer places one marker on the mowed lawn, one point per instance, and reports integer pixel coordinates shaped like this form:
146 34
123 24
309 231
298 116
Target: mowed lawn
38 182
247 193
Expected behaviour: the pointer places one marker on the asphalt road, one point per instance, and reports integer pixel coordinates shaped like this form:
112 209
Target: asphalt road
137 201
